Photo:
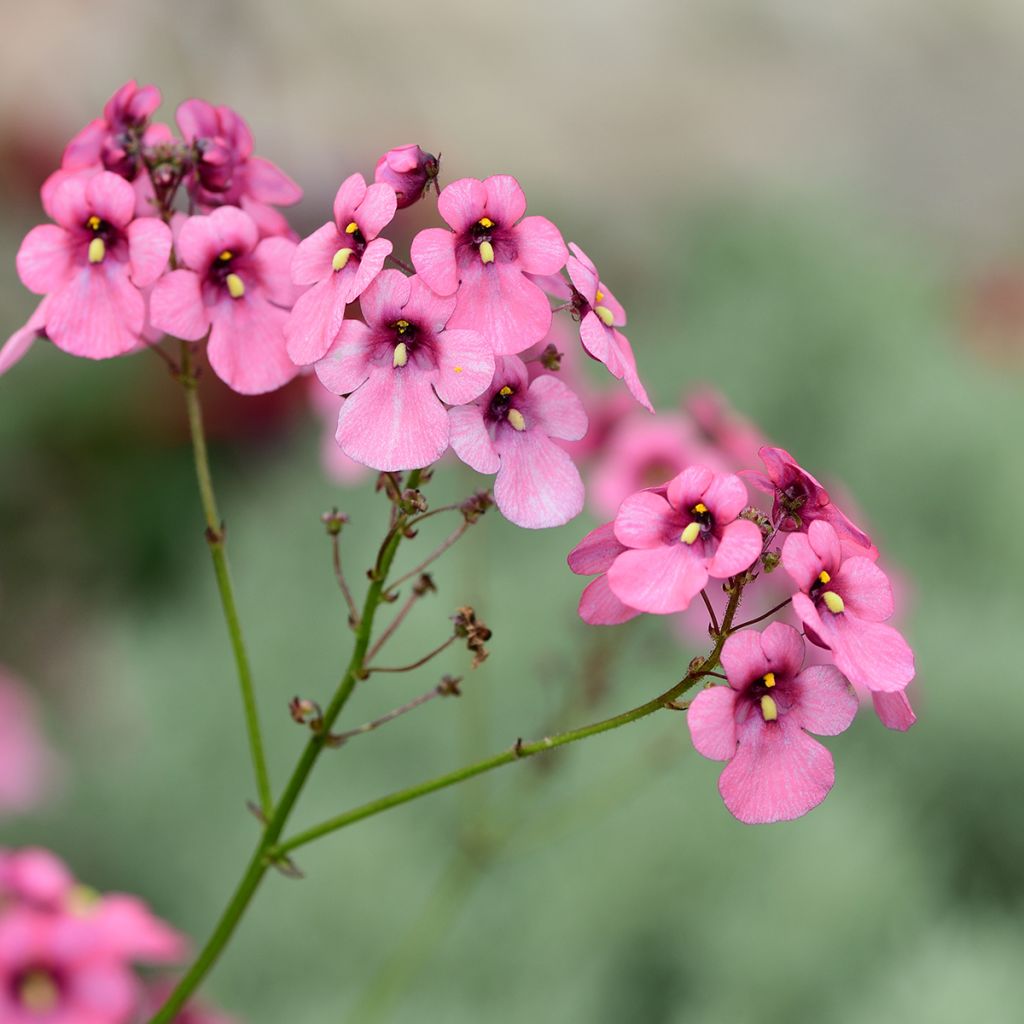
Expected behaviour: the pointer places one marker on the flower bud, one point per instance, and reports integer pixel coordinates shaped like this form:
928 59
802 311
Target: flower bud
409 171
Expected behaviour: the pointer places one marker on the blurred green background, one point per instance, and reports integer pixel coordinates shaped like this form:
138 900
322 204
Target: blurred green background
817 209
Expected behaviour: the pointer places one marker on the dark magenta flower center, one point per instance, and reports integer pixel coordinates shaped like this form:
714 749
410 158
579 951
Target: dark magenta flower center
38 989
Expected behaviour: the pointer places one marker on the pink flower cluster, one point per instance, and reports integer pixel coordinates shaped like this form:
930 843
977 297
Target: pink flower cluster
67 953
658 555
180 235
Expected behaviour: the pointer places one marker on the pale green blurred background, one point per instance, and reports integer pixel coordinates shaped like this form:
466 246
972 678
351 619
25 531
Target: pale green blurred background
818 208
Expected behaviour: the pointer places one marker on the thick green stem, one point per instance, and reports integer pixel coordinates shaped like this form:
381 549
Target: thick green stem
264 856
215 541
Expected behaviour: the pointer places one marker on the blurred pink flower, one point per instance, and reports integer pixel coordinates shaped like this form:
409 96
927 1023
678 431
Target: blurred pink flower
339 260
336 464
721 427
759 724
593 556
510 431
237 287
485 260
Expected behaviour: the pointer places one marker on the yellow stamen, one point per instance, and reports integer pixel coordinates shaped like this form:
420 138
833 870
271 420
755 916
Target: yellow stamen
515 417
97 250
226 255
700 508
401 355
38 992
458 369
486 252
402 325
485 222
599 297
94 223
341 258
690 533
769 709
823 577
833 602
769 679
83 900
505 391
351 228
606 315
236 286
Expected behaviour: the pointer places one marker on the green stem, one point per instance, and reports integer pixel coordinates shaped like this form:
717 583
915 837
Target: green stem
265 855
269 851
218 553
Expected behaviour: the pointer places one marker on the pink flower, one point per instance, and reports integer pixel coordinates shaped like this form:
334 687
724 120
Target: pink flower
678 539
113 140
593 556
736 438
237 288
600 317
759 724
486 258
339 260
225 173
398 369
50 971
35 877
409 171
643 452
843 603
26 762
509 431
800 499
91 265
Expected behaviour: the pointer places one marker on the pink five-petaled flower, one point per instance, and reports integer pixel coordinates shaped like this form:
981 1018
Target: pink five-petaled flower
843 603
225 172
509 431
91 266
759 724
398 369
600 317
677 539
485 258
237 288
339 260
593 556
800 499
409 170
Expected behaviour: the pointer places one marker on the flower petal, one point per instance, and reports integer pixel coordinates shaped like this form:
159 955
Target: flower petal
557 408
827 703
44 259
267 183
314 322
377 210
470 440
711 718
738 549
347 199
176 306
465 366
779 773
726 497
312 260
643 520
273 259
865 589
98 314
17 345
541 249
247 348
658 580
385 299
505 200
744 659
462 203
346 364
894 710
685 490
111 198
596 552
149 247
600 607
538 484
367 269
393 422
433 256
